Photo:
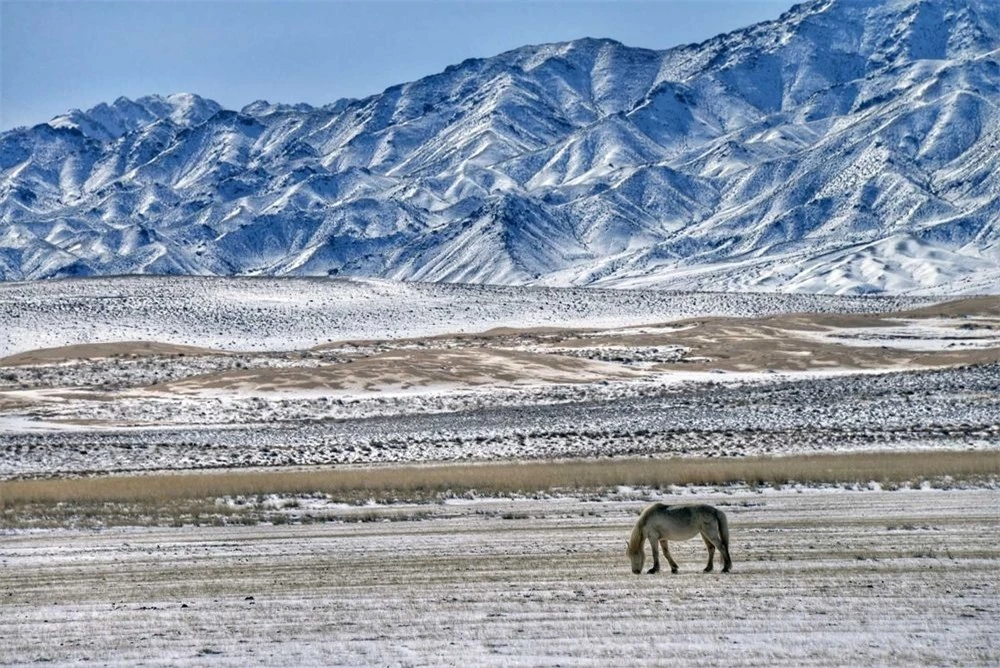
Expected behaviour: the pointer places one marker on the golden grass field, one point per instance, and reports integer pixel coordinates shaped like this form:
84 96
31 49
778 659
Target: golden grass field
150 496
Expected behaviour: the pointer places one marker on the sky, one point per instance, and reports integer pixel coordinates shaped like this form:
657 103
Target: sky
55 56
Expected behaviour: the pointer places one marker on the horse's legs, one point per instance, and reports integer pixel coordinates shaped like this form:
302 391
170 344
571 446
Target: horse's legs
711 534
666 553
711 553
654 546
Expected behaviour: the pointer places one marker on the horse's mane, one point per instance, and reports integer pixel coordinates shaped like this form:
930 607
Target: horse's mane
635 540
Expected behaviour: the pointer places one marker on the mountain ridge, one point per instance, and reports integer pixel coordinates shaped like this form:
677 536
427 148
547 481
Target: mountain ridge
843 147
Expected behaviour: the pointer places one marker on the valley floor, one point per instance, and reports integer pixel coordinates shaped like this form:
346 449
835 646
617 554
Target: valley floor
821 577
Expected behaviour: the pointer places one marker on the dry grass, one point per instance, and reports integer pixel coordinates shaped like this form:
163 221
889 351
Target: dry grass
245 497
420 483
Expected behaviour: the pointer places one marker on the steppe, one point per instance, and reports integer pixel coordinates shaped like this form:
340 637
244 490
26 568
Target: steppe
289 472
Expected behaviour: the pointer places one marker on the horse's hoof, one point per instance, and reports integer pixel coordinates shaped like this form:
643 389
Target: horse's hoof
707 570
725 570
674 571
652 571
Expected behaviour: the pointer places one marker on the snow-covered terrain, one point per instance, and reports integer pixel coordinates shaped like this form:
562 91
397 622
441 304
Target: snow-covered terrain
293 314
846 147
820 577
92 432
153 373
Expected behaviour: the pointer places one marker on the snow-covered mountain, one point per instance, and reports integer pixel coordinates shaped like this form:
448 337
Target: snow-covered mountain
848 146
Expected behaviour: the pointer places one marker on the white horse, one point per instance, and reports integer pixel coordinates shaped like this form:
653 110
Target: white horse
659 523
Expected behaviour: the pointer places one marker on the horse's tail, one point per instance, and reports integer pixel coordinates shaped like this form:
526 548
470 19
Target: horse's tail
723 528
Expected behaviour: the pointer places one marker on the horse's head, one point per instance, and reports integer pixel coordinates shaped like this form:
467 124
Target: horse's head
638 558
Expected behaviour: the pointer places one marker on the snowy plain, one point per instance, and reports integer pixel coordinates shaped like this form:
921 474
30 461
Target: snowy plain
820 577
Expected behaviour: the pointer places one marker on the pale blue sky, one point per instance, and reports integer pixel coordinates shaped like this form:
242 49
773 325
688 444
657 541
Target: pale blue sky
58 55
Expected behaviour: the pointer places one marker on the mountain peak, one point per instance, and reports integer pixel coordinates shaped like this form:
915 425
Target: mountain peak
265 108
847 145
124 115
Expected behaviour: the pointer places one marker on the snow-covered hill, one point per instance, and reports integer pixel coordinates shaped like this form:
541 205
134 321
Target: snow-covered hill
848 146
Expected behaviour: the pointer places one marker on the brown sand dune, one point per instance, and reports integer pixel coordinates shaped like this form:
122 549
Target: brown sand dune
85 351
987 306
790 342
406 369
756 346
965 330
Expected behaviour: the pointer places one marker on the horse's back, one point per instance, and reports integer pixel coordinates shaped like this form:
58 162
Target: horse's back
681 513
681 522
689 510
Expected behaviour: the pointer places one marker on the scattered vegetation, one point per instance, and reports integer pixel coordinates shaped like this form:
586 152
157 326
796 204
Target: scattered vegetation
240 497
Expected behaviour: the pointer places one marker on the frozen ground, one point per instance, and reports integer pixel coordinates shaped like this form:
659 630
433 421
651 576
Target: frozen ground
821 577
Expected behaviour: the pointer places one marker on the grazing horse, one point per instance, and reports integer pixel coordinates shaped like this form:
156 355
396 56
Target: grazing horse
659 523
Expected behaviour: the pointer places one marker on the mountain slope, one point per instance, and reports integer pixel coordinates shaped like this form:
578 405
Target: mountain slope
848 146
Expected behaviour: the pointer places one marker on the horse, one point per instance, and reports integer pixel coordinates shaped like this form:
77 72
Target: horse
659 523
